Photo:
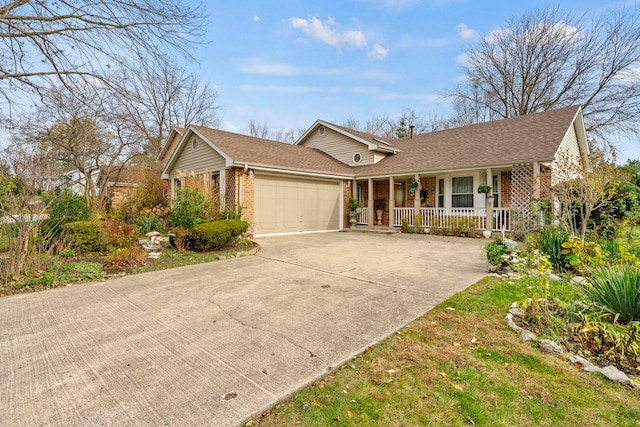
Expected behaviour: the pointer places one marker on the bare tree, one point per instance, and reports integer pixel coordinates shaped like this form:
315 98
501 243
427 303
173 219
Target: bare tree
69 39
86 130
544 60
163 96
262 130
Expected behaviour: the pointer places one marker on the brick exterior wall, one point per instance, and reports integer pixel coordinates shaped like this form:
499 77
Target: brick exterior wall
347 191
429 184
381 191
248 208
505 189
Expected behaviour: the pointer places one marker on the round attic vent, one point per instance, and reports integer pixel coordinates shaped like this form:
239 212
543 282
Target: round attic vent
321 130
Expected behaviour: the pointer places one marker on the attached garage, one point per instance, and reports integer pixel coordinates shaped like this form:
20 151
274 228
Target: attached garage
286 204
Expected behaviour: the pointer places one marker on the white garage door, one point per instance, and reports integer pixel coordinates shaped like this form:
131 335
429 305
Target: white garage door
293 205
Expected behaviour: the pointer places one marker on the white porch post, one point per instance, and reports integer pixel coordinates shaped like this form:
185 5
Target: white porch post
488 202
536 181
370 203
416 197
392 201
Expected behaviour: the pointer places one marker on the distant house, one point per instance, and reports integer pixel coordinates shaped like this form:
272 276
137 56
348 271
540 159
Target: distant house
304 187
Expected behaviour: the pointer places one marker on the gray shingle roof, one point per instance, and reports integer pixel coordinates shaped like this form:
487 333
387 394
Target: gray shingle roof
257 151
526 138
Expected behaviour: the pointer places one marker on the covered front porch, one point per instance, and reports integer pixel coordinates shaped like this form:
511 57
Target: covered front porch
450 199
444 218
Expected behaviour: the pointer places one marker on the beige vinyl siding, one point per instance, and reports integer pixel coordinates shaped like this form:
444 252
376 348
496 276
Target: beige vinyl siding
201 159
569 150
378 156
339 147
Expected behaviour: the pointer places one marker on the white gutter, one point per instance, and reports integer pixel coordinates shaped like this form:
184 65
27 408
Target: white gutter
294 172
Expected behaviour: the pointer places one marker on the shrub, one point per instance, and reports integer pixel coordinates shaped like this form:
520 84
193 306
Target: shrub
216 234
189 208
550 243
119 235
65 207
494 251
84 236
126 258
180 238
147 223
234 212
617 290
581 255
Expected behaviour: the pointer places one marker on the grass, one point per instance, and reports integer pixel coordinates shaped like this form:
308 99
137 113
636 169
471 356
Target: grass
460 365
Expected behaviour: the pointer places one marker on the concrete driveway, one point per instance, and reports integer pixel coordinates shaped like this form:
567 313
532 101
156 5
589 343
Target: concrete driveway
218 343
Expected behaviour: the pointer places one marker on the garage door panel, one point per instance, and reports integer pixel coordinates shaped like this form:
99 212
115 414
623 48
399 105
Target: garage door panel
289 205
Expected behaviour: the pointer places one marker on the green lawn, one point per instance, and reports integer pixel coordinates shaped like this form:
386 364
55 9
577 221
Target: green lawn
460 365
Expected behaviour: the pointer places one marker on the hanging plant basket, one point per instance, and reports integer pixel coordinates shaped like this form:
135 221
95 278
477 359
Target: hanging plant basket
484 188
413 185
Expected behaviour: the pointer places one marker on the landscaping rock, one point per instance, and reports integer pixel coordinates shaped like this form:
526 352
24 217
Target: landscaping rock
578 280
583 363
550 347
555 278
528 335
517 311
615 375
511 245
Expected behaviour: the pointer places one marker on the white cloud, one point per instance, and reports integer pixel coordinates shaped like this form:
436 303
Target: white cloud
463 59
256 18
328 32
378 52
259 66
281 89
466 32
497 35
426 98
630 75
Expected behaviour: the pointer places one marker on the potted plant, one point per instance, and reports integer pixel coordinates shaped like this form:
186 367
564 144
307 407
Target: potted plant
378 205
353 205
413 185
484 188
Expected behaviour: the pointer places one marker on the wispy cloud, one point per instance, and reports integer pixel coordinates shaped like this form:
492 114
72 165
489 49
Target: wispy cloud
378 52
256 18
329 32
466 32
260 66
283 89
425 98
393 5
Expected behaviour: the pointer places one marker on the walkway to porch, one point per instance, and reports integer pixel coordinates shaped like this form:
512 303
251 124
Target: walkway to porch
447 218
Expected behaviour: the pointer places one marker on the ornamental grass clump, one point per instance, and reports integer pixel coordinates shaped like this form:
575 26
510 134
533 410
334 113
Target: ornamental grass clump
617 291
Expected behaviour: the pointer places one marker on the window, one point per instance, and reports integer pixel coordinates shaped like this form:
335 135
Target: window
399 194
357 158
462 192
321 130
359 194
441 193
495 191
177 183
194 142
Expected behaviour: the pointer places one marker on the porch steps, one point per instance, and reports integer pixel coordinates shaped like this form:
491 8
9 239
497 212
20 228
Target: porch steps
374 229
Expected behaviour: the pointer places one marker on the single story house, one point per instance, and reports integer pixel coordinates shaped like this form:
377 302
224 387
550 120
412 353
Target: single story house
305 187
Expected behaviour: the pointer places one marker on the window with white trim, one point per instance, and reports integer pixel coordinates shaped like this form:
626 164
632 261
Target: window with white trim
462 192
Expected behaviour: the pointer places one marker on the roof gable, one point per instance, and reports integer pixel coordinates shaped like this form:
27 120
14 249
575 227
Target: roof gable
372 142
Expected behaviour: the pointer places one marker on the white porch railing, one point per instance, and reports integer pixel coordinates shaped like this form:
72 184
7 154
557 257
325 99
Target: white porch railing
453 217
364 216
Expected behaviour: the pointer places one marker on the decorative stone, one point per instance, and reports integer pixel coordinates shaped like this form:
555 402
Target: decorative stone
528 335
578 280
555 278
615 375
583 363
550 347
511 245
517 311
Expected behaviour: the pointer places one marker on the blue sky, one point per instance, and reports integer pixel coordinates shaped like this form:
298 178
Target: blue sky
287 63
